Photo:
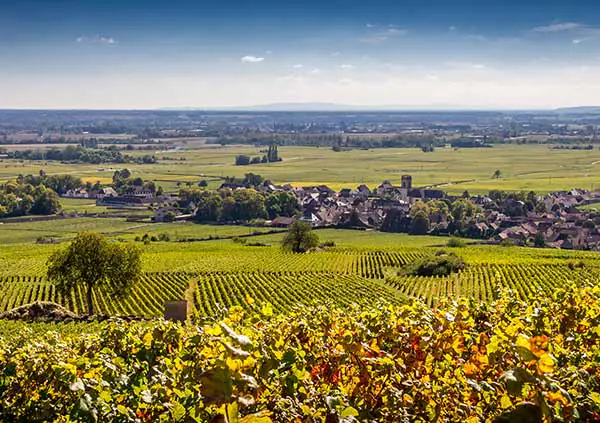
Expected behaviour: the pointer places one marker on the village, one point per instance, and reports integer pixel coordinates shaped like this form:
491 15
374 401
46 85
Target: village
555 220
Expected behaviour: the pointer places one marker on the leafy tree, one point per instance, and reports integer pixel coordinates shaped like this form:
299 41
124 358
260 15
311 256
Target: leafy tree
420 223
242 160
497 174
45 201
91 262
244 204
442 264
461 210
253 180
299 238
420 214
282 204
539 241
210 208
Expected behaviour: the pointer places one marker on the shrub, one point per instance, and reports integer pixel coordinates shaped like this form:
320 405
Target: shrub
442 264
456 242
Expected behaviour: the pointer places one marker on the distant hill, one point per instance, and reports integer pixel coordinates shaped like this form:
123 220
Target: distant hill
579 110
325 107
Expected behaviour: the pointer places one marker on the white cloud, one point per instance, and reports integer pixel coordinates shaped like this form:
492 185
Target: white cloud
452 28
298 66
370 25
578 41
477 37
346 66
97 39
252 59
381 36
315 71
336 54
466 65
557 27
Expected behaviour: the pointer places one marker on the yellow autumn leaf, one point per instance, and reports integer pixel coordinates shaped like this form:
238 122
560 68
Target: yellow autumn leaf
148 339
595 396
546 363
374 346
523 341
505 402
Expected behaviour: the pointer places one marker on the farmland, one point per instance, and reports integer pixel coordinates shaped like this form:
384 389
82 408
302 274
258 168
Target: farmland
523 167
362 268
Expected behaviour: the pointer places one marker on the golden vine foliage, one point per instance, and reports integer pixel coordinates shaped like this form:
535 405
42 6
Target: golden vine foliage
386 363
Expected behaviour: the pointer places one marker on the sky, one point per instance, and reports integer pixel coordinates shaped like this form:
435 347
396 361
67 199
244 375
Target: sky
130 54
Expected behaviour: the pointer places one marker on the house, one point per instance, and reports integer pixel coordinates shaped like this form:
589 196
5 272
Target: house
106 193
311 218
167 214
363 190
77 193
282 221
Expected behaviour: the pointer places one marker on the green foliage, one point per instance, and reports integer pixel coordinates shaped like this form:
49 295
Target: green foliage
19 199
91 262
82 155
420 223
456 243
460 361
282 204
300 238
442 264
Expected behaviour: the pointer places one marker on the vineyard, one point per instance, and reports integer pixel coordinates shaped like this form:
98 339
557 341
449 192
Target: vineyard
388 363
222 274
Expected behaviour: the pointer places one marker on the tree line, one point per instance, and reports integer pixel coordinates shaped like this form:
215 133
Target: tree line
81 154
271 156
244 205
17 199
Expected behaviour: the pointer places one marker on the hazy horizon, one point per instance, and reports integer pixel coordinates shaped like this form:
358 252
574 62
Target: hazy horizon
415 54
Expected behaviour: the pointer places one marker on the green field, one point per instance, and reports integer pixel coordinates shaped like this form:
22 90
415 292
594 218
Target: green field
116 228
361 268
523 167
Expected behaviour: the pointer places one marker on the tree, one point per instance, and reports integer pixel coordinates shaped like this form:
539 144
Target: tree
539 241
420 223
497 174
420 214
299 238
90 261
282 204
45 201
242 160
462 209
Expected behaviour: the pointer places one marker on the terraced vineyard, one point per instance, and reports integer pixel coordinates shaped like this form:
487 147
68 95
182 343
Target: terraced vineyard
226 274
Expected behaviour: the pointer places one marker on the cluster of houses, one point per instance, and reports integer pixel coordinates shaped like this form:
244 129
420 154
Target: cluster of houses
562 224
108 196
165 205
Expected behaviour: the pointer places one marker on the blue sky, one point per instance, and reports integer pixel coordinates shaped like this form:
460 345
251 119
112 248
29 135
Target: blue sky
412 53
